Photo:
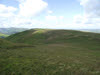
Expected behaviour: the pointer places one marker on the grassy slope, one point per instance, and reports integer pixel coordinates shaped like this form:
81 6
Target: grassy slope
51 59
56 52
4 44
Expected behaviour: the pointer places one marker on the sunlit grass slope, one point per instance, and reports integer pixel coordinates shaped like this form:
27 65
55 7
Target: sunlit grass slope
3 35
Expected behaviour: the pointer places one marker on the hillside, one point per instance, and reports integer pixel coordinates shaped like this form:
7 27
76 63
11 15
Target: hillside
55 52
4 44
10 31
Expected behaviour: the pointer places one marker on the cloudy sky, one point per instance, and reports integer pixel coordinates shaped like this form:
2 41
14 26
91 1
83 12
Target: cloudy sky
61 14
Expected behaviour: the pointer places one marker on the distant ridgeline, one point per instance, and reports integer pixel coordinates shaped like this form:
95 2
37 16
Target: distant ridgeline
10 31
91 30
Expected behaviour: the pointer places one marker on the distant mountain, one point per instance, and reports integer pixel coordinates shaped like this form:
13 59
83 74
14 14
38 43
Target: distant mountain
10 31
91 30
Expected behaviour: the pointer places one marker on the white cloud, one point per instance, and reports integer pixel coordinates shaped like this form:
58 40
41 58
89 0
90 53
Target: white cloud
79 19
22 16
6 14
6 11
31 7
54 20
91 16
61 17
50 17
91 7
50 12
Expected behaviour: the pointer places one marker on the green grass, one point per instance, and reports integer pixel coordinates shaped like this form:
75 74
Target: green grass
51 52
4 44
50 59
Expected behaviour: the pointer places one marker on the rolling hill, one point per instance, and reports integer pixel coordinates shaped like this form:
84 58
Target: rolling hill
55 52
47 36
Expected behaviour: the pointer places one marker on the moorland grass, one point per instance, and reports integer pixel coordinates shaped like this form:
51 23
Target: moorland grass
50 59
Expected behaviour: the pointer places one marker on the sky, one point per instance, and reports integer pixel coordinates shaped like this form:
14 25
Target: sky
57 14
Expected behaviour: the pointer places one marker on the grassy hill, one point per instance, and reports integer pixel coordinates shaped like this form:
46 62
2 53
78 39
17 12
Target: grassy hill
56 52
47 36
